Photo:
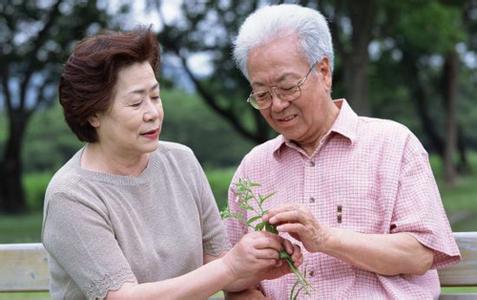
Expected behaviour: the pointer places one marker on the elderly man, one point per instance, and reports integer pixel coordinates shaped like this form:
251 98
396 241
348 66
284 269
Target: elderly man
357 192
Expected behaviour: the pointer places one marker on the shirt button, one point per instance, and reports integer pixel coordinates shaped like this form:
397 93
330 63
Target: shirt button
312 163
312 200
312 273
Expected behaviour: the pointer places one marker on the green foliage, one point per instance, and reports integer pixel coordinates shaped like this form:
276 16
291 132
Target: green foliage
25 296
219 180
187 120
49 142
35 186
431 27
20 228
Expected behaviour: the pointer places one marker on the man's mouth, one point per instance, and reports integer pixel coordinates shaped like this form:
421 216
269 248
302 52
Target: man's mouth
286 119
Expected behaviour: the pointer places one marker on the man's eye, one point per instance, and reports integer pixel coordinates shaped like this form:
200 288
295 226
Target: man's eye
260 95
287 88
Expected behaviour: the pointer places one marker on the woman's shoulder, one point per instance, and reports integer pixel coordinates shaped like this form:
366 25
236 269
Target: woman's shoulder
67 176
175 151
167 146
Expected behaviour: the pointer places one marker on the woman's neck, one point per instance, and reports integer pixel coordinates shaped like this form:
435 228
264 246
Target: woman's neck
96 158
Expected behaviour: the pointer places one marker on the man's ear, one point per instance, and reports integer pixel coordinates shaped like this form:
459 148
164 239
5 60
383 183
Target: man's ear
323 68
94 120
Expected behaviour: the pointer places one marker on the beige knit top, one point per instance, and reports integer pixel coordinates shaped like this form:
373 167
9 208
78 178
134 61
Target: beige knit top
102 230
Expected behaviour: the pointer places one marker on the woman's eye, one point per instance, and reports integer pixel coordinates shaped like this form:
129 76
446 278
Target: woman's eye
136 104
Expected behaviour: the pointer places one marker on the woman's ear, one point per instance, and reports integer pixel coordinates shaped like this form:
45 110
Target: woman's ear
94 120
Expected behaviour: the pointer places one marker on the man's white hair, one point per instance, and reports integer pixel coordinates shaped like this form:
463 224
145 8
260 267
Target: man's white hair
274 21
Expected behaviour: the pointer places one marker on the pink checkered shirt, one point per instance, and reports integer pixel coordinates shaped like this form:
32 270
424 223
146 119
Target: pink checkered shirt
379 173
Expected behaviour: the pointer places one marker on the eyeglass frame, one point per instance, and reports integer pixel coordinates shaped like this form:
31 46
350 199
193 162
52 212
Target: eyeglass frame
254 103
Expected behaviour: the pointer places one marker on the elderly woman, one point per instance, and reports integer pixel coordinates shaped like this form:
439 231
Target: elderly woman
128 216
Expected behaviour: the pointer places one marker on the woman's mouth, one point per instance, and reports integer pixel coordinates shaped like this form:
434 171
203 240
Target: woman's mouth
151 134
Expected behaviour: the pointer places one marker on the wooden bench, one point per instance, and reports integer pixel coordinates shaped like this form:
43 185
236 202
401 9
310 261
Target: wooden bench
23 268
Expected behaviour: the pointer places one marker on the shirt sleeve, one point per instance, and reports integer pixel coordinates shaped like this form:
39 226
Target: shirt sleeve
418 208
78 236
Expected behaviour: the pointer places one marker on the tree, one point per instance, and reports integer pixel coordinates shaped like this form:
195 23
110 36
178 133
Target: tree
421 49
225 90
408 38
35 40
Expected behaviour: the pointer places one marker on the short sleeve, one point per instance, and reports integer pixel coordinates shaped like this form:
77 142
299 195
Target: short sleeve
418 208
78 236
214 238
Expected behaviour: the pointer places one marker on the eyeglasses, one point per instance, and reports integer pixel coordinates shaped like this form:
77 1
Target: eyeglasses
263 99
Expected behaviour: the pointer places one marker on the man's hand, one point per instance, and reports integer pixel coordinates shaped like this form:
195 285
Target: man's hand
300 224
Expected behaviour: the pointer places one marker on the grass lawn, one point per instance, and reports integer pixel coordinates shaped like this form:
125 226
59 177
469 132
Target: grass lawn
21 228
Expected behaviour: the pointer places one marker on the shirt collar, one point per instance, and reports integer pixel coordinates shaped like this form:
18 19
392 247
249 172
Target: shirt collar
346 125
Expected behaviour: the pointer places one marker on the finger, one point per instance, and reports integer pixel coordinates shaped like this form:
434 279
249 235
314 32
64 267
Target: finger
261 264
266 254
297 255
276 210
295 228
292 216
268 240
288 246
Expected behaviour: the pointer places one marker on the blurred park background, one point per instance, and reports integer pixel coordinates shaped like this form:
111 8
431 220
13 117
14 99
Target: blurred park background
412 61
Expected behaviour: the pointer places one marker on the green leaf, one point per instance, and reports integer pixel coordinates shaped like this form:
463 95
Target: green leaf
253 219
270 228
259 226
263 198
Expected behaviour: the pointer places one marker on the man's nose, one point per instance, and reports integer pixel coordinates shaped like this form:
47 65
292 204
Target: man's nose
277 103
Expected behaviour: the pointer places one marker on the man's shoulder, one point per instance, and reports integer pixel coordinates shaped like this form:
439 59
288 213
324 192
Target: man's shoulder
382 125
265 149
390 133
383 128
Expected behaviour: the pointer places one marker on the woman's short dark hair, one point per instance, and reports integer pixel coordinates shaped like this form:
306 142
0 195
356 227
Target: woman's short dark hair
90 74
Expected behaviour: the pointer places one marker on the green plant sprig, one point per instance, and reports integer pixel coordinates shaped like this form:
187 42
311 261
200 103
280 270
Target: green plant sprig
246 197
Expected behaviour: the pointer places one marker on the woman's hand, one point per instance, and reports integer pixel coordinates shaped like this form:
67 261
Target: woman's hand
300 224
282 268
255 252
257 255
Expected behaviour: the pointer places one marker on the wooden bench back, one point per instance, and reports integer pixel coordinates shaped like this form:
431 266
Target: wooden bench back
23 267
465 272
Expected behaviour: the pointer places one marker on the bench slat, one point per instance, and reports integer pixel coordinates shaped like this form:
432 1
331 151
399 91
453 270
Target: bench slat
465 272
23 267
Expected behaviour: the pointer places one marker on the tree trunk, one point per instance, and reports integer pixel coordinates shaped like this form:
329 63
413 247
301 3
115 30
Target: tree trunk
420 97
463 166
450 98
12 198
356 60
